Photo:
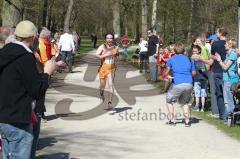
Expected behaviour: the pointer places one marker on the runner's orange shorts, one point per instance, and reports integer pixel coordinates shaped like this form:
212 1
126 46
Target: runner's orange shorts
105 70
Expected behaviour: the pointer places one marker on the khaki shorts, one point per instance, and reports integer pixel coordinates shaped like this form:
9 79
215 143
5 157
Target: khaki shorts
180 93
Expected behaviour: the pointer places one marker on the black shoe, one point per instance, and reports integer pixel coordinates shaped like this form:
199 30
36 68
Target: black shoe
110 106
102 96
171 123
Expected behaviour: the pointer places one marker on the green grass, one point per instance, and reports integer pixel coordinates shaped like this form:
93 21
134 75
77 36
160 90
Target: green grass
230 131
85 46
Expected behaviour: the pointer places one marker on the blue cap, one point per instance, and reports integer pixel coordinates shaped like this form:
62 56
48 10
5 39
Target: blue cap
213 37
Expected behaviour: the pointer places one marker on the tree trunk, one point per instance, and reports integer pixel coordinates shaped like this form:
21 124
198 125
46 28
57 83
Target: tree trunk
144 17
174 27
116 18
154 16
12 12
137 32
68 15
190 23
45 8
164 26
125 24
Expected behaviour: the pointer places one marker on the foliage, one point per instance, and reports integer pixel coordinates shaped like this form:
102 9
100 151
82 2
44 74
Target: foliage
172 16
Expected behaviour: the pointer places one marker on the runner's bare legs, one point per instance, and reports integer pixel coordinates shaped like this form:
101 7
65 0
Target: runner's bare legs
101 89
111 89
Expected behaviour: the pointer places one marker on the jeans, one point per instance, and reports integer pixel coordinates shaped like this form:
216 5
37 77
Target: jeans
67 57
153 68
143 60
17 142
228 98
219 94
36 131
214 107
125 51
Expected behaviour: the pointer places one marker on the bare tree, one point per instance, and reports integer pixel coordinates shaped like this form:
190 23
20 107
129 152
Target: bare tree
68 15
12 12
116 17
154 16
190 22
144 17
45 14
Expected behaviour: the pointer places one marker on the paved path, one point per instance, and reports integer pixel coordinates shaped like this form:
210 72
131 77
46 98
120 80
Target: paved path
83 129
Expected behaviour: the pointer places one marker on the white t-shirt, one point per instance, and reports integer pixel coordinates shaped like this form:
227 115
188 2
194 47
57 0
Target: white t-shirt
66 42
143 46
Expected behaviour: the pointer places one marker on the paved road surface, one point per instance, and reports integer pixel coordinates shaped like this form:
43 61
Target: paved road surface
135 129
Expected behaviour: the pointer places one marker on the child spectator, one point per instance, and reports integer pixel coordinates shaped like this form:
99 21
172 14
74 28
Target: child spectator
143 54
200 80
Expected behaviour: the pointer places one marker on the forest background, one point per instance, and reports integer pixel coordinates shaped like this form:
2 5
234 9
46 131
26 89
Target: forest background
173 20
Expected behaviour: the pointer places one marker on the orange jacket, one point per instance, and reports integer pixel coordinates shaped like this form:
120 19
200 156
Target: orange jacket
45 50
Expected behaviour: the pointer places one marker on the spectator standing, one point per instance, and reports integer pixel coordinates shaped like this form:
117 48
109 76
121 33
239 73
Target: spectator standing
200 80
153 45
230 76
125 43
218 47
143 54
67 48
20 84
4 33
94 40
42 54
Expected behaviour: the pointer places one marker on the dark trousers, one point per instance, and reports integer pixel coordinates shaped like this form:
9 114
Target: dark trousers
214 107
219 94
143 60
36 132
67 57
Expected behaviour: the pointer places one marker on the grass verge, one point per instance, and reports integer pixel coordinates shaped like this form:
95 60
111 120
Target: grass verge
230 131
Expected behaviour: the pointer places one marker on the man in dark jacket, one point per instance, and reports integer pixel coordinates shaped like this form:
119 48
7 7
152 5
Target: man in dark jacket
153 45
20 85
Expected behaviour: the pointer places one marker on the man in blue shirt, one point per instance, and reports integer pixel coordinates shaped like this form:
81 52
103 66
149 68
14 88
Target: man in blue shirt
183 69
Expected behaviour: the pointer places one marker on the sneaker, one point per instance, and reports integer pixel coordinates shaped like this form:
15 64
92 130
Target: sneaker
171 123
102 98
202 110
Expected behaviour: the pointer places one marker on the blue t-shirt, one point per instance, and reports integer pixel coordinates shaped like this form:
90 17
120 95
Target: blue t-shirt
182 68
231 75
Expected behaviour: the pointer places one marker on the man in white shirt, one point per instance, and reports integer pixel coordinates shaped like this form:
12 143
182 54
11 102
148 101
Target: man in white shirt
143 54
66 47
